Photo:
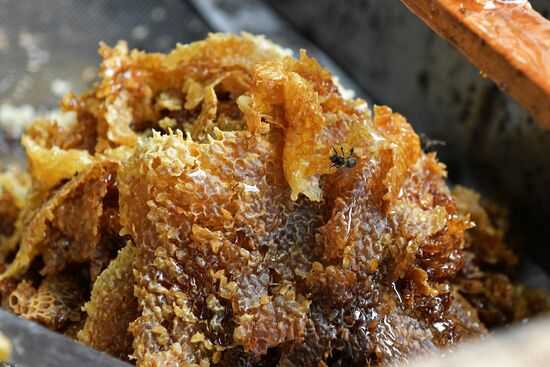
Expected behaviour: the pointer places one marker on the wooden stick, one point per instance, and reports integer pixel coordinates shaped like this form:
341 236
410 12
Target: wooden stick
506 39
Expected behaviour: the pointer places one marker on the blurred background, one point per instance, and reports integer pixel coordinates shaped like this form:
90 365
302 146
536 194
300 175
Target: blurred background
376 47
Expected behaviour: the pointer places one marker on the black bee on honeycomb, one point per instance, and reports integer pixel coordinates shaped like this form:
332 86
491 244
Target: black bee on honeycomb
342 160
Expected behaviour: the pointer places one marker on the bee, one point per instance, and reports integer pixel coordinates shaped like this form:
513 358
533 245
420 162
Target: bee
339 161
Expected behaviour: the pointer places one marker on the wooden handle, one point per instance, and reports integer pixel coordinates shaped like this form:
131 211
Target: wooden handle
507 40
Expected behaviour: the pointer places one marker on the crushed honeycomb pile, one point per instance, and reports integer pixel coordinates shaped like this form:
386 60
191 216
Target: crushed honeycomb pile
185 213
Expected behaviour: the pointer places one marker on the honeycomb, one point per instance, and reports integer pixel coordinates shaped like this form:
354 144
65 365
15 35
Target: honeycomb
193 195
237 251
485 280
66 227
112 307
55 303
14 184
376 241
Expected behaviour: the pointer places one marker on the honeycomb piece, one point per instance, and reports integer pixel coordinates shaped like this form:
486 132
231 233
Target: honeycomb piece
371 329
485 280
498 299
300 96
131 81
207 214
66 227
206 120
366 229
136 91
49 166
111 241
214 222
530 302
14 185
486 240
465 318
112 307
55 303
167 193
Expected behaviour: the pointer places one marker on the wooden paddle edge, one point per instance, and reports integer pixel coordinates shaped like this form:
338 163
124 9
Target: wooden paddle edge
522 81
